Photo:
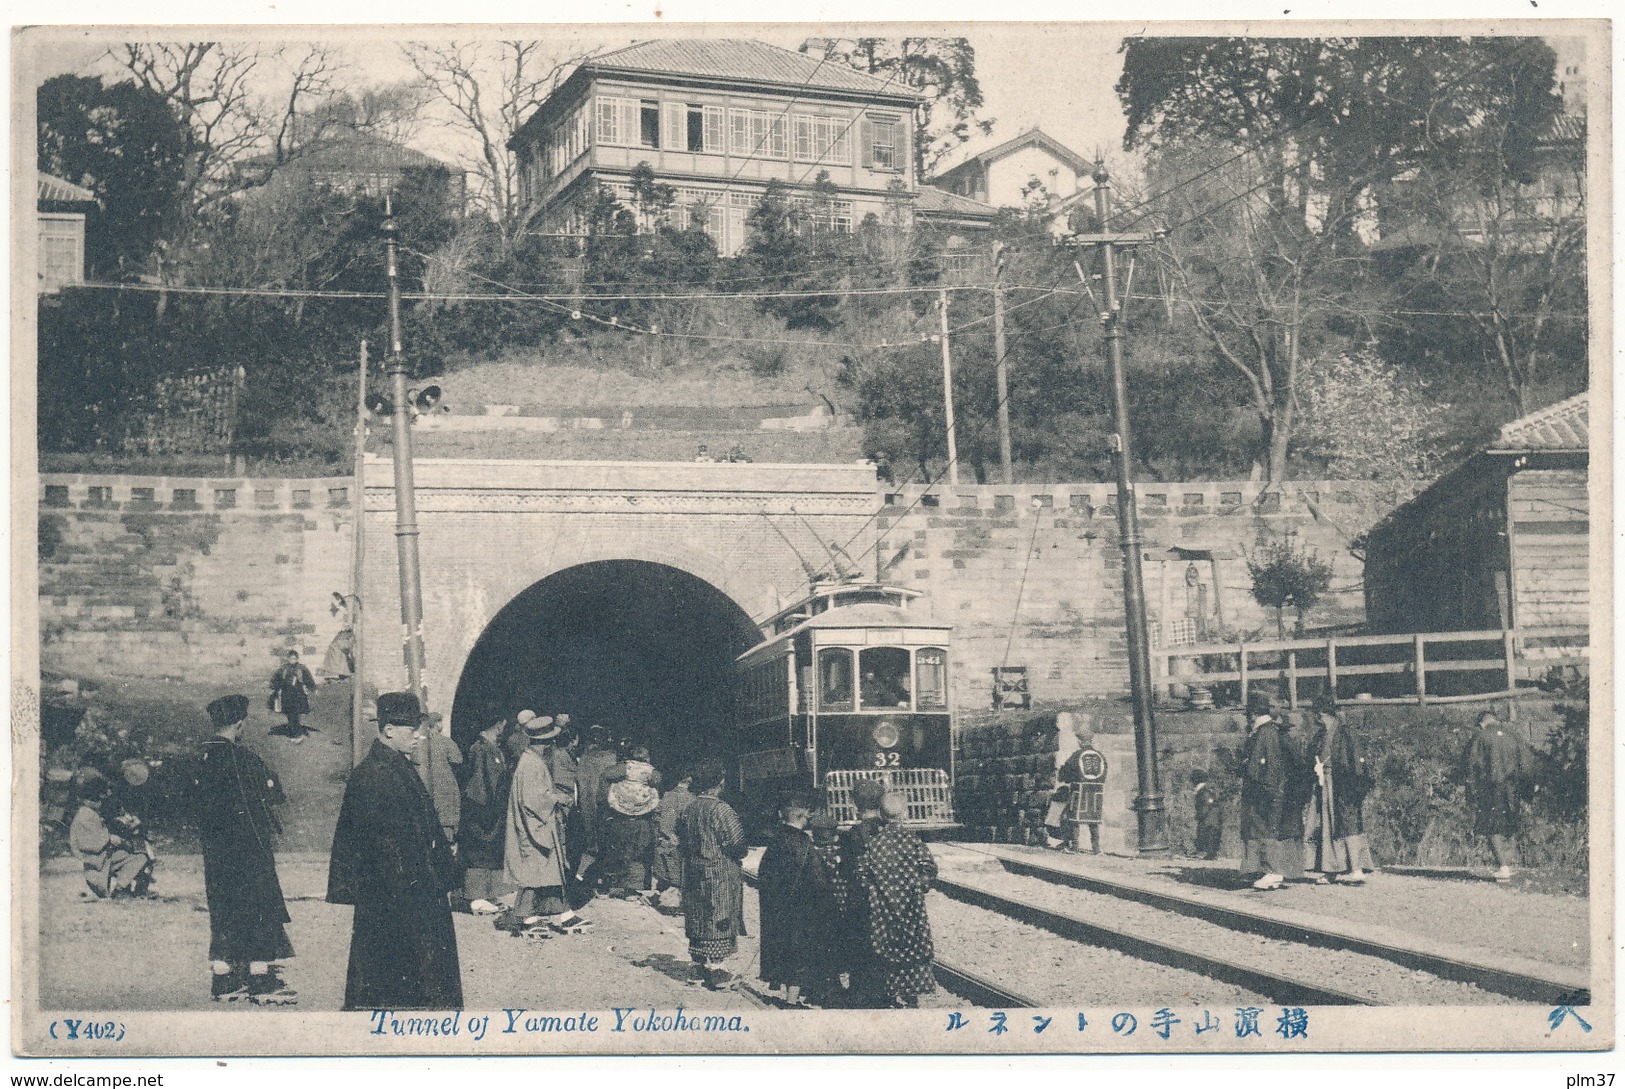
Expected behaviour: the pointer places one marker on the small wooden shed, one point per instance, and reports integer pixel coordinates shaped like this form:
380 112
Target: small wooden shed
1500 542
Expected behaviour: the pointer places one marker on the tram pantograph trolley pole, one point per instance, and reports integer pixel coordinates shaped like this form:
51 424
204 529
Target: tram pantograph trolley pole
1148 802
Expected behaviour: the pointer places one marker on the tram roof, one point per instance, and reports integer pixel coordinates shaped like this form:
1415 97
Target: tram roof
853 616
834 589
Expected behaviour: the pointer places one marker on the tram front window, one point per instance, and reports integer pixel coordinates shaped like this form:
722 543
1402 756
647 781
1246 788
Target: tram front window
835 679
931 688
885 677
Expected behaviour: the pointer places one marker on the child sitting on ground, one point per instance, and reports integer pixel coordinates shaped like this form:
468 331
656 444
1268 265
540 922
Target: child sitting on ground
116 860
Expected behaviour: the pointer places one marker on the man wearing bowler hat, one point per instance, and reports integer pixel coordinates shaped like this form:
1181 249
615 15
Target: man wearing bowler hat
235 794
391 860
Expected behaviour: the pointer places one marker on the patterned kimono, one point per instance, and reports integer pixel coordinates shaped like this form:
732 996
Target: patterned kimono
886 904
712 842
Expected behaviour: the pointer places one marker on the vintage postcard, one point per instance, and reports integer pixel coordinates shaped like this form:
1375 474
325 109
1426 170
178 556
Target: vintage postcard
980 538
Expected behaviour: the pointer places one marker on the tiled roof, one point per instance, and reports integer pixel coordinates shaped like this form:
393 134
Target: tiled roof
929 200
54 188
725 58
1563 426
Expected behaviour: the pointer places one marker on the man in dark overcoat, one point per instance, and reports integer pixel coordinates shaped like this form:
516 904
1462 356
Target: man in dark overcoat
391 861
484 824
1272 798
1500 768
797 908
234 793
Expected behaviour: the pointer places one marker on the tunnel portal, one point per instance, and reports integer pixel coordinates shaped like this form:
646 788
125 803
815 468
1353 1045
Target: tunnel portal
640 647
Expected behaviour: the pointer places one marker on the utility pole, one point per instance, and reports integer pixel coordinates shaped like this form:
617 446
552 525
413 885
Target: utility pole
948 387
406 514
358 738
1001 373
1148 803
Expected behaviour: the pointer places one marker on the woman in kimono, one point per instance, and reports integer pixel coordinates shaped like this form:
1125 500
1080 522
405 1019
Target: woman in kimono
797 908
891 875
712 841
631 796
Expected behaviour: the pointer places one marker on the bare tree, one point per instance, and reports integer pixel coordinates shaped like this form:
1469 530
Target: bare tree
245 108
491 89
1502 273
1267 281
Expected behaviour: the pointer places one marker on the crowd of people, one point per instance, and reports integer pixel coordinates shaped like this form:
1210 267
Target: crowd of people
528 826
538 819
1303 803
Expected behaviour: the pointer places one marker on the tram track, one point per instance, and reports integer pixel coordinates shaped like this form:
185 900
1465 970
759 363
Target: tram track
1551 985
1138 944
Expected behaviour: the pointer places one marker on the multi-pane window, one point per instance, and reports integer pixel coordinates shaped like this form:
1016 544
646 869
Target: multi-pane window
620 121
822 139
931 679
825 216
702 128
882 143
565 143
62 250
756 134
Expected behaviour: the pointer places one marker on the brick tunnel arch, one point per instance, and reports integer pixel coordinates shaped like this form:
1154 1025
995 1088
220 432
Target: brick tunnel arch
640 646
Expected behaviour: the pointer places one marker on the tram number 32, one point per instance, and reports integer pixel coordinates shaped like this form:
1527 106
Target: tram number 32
888 759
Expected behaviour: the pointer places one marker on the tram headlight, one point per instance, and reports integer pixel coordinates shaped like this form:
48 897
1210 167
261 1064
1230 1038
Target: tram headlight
886 734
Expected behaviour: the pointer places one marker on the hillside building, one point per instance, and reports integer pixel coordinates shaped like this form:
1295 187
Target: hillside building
718 120
1032 169
61 211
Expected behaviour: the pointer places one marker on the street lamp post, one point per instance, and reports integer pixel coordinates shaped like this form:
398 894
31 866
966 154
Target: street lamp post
406 515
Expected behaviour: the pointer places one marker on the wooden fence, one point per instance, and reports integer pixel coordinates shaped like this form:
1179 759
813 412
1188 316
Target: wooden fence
1343 665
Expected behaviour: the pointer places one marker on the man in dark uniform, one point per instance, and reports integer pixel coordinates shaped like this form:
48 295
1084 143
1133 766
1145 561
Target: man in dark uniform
1500 770
392 862
1272 799
234 793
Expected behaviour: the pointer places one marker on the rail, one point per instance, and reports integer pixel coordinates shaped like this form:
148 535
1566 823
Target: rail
1518 654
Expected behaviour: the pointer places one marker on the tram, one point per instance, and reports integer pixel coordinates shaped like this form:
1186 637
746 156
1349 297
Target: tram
846 685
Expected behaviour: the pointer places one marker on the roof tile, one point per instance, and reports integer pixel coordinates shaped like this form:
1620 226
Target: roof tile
1563 426
723 58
